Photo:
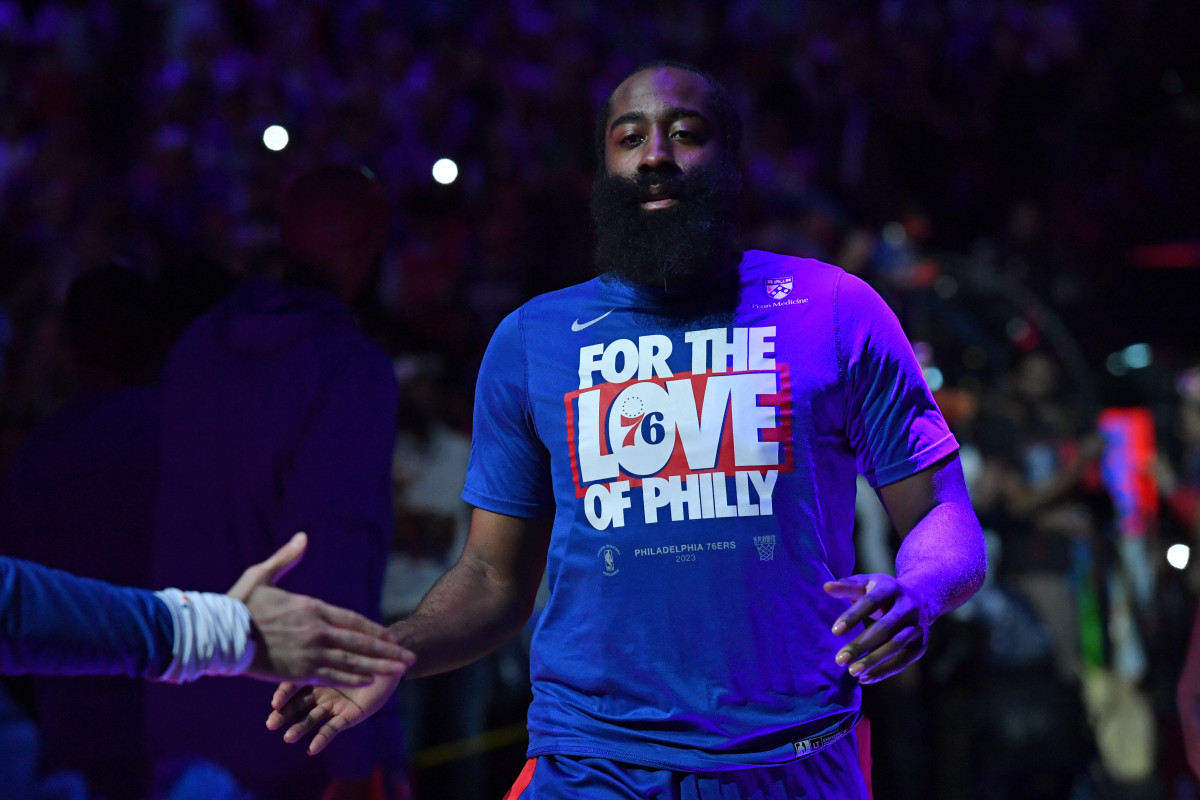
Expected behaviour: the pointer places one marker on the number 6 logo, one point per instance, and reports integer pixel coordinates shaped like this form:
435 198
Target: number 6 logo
642 427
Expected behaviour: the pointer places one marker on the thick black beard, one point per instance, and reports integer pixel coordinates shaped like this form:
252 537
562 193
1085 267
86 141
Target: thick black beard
694 238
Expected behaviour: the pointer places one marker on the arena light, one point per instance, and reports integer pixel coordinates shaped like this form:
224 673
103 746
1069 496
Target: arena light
275 138
1178 555
445 171
1138 356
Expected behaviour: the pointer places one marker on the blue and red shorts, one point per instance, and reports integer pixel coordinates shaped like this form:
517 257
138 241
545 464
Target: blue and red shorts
834 773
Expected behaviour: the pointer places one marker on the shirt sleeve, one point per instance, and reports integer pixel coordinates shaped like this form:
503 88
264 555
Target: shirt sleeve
509 468
892 421
55 623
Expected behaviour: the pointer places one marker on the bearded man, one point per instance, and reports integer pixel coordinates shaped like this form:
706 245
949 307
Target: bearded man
675 443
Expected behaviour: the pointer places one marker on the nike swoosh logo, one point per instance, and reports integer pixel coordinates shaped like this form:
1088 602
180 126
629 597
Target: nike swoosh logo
577 326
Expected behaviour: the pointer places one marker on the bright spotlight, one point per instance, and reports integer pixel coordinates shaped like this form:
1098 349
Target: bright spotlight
1178 555
935 378
445 171
275 137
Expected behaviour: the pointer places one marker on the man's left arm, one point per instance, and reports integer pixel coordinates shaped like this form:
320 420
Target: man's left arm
940 564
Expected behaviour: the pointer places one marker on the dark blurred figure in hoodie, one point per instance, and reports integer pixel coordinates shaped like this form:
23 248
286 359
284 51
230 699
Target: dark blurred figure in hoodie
279 416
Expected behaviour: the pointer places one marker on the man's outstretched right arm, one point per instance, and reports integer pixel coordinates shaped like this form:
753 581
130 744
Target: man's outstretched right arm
481 602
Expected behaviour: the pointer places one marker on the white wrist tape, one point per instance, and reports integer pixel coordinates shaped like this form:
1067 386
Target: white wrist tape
212 635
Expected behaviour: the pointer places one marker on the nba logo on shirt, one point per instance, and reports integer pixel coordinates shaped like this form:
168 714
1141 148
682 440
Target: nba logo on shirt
778 288
608 555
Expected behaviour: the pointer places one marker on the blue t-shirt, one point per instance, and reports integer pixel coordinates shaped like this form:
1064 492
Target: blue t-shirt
701 475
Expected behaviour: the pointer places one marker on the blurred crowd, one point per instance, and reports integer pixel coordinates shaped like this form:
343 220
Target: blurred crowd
1042 137
988 166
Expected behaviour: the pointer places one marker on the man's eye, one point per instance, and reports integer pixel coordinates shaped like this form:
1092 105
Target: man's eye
631 139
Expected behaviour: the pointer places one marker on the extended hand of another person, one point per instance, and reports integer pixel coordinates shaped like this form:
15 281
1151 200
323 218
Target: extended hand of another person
307 641
334 710
897 621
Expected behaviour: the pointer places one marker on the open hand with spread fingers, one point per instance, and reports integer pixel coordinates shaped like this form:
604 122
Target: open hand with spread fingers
897 625
327 710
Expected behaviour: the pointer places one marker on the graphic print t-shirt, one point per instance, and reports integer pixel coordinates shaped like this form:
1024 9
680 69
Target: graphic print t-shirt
700 470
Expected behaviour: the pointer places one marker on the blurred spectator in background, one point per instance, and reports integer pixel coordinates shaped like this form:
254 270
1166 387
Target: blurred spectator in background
1177 468
79 495
429 467
279 415
1040 480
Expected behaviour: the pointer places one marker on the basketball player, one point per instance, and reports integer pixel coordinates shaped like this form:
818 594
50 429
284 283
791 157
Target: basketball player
676 443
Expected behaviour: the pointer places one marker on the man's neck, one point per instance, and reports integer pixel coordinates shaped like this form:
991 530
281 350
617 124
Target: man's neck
699 281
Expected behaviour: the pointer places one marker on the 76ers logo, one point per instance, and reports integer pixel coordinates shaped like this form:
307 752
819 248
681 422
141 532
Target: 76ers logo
645 433
685 424
778 288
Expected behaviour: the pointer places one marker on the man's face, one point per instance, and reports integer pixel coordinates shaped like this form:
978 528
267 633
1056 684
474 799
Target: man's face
661 124
666 204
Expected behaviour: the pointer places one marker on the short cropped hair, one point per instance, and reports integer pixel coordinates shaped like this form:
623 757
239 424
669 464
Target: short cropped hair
728 118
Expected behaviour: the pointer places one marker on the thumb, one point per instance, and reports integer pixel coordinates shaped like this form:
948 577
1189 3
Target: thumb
282 560
271 569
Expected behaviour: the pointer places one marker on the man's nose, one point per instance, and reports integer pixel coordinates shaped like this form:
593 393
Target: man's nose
657 154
